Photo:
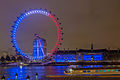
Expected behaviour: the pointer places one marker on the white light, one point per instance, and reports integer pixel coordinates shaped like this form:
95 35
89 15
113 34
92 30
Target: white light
33 12
30 12
19 20
21 67
26 14
21 63
70 70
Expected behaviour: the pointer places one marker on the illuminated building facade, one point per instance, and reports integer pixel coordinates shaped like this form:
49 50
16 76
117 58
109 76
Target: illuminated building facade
92 57
83 55
79 55
65 57
39 48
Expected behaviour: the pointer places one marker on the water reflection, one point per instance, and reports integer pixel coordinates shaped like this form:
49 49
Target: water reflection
23 71
42 71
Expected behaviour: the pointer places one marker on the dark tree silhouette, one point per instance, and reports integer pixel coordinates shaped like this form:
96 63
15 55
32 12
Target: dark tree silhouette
13 58
7 58
2 59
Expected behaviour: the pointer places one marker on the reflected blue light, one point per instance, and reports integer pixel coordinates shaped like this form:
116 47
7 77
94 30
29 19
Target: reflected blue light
21 73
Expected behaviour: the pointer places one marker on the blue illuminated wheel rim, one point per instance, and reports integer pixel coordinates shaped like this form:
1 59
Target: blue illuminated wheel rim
30 12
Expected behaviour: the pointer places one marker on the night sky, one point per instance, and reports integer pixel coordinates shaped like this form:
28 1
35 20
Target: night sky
84 22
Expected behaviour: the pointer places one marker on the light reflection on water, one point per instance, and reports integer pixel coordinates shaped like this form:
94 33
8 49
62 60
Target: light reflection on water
42 71
23 71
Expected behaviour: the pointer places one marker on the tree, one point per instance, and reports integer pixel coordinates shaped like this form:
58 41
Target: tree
7 58
2 59
13 58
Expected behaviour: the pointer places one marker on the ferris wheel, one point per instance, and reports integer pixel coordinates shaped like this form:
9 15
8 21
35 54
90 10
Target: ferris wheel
41 12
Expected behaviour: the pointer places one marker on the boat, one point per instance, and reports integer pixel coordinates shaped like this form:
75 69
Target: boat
115 70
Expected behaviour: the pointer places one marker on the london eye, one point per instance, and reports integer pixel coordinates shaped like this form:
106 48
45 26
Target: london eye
31 12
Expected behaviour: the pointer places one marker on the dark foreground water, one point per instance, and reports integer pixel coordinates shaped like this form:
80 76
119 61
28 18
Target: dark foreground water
43 71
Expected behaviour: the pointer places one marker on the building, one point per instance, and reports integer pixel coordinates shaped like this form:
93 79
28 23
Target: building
39 48
83 55
78 55
65 56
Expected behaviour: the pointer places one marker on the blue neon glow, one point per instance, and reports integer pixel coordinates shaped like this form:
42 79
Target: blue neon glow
91 66
66 58
38 54
104 70
16 24
100 70
79 56
116 70
95 57
53 58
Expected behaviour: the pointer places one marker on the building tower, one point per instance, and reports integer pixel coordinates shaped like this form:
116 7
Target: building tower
92 46
39 48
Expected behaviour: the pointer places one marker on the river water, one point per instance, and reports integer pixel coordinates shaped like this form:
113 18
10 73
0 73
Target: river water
43 71
23 71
